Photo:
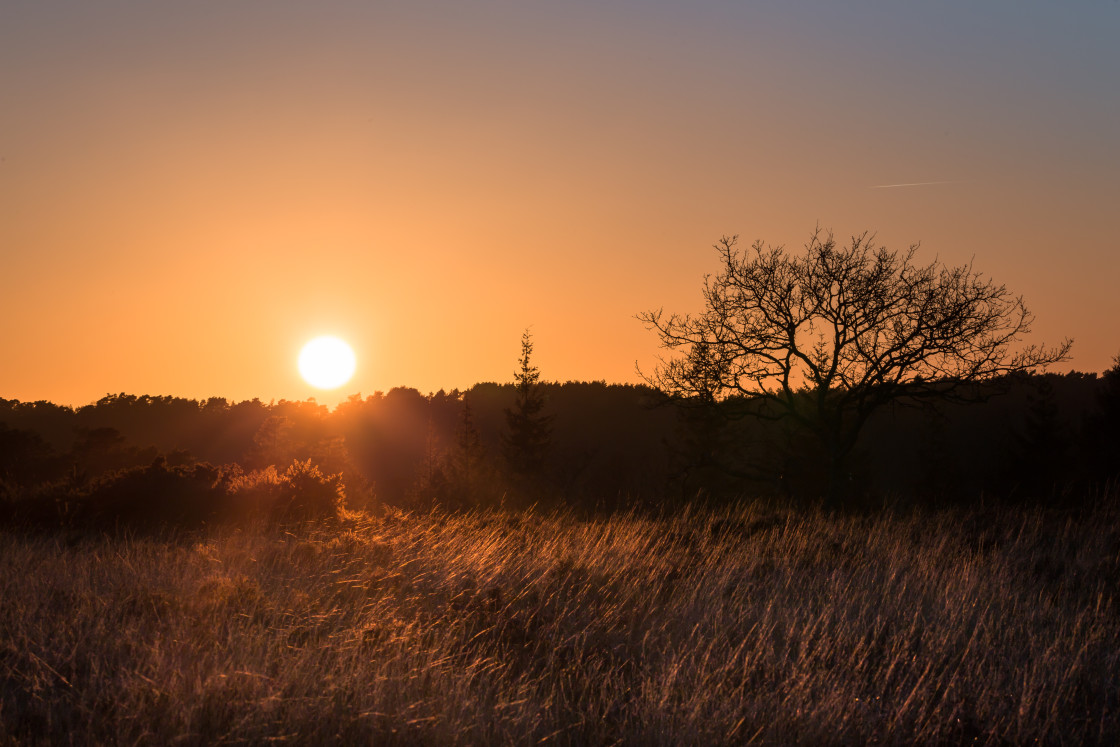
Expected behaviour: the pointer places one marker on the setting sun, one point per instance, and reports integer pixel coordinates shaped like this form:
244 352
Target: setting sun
717 372
326 362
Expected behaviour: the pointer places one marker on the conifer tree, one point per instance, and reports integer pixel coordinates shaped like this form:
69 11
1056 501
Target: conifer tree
529 430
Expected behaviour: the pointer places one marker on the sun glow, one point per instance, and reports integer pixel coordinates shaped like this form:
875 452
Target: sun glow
327 362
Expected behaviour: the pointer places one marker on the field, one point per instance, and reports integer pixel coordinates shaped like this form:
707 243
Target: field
749 624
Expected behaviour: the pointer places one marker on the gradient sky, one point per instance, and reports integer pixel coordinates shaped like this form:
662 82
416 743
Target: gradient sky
190 191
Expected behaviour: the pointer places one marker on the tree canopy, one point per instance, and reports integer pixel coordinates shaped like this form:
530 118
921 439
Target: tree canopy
828 336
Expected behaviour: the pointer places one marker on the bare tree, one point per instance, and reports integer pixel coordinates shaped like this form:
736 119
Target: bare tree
829 336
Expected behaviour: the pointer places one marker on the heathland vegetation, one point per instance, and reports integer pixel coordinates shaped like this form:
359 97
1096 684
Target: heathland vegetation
743 624
896 532
377 573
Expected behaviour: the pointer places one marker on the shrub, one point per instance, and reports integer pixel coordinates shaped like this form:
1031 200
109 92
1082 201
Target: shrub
162 495
154 496
301 493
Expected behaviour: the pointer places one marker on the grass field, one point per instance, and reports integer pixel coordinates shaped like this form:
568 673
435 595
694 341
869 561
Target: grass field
731 626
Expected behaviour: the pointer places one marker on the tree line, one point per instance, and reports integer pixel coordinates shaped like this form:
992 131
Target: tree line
848 374
604 446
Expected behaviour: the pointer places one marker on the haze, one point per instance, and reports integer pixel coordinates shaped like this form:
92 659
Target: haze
189 192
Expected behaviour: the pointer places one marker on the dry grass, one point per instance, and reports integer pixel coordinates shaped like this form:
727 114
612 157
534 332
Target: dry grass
739 626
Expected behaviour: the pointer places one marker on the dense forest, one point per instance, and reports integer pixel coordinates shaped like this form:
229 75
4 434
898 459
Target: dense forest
601 447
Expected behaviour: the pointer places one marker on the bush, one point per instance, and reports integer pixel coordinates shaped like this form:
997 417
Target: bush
154 496
301 493
162 495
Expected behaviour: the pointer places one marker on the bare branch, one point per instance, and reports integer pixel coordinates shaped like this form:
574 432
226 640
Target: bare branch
854 326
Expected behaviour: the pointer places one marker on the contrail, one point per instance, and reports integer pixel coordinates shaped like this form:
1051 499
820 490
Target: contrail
910 184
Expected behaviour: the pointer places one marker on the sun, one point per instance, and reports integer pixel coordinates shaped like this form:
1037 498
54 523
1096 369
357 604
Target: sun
327 362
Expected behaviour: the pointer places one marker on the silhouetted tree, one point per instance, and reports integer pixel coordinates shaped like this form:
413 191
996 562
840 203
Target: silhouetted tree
827 338
528 429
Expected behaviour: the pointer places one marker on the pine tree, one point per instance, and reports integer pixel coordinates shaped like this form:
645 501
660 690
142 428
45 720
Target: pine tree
529 430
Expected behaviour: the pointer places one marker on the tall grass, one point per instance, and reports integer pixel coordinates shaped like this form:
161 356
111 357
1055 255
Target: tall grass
742 625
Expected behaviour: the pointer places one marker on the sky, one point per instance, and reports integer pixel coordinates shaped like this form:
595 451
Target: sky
191 191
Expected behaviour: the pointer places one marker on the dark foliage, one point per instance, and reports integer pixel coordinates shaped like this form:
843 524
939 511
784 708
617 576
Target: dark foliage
526 442
610 447
826 338
25 457
151 497
1102 431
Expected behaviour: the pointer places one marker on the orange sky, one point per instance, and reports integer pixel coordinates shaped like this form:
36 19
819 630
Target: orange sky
188 194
